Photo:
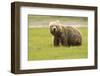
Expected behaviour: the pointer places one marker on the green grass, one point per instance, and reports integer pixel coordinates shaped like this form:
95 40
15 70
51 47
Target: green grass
40 46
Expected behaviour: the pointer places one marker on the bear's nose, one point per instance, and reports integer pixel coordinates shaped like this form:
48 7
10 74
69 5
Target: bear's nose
54 29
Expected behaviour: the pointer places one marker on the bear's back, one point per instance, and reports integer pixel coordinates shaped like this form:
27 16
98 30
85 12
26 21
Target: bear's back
74 35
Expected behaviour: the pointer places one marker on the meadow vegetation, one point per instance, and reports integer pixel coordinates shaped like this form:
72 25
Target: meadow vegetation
40 46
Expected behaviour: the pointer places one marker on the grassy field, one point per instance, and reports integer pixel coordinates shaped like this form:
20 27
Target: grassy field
41 47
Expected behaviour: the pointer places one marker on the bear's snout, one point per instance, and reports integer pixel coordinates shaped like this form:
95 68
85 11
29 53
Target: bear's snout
54 29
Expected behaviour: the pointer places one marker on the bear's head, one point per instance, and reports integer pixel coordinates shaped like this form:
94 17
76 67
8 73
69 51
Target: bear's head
55 28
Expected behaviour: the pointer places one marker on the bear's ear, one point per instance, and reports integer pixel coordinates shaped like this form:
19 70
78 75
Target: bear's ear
58 22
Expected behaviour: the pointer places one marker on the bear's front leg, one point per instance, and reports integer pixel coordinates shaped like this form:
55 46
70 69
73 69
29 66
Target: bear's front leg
56 41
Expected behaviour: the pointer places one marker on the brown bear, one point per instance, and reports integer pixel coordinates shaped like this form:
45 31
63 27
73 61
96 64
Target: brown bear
65 35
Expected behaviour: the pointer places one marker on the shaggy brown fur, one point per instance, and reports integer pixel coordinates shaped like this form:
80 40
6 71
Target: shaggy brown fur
65 35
